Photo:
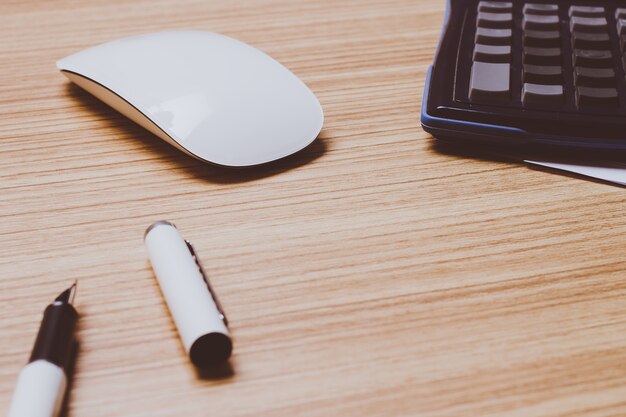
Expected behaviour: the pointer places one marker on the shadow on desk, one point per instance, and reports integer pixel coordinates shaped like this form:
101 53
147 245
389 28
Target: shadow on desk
196 168
518 154
222 372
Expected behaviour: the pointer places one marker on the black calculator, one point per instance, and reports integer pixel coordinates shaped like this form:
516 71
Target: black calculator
541 72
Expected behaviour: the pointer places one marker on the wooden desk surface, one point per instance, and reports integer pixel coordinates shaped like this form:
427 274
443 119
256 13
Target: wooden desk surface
370 275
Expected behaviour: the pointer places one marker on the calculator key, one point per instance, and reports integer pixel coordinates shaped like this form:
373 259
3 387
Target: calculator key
492 53
539 22
494 20
542 74
588 24
488 36
541 9
600 97
495 6
594 77
620 13
592 58
621 27
542 56
585 40
586 11
542 38
538 94
490 82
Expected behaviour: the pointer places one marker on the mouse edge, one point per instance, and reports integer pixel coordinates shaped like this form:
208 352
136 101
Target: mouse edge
126 108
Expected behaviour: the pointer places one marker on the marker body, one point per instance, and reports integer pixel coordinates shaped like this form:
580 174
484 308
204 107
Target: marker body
39 391
200 323
41 385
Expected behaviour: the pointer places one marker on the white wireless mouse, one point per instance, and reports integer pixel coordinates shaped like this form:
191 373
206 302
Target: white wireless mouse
214 97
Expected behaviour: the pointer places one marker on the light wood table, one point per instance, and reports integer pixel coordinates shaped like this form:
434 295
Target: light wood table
370 275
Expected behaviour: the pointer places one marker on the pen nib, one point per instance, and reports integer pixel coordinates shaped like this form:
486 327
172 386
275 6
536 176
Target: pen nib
67 296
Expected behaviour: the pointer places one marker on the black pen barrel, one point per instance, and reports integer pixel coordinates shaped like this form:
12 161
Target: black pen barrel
55 340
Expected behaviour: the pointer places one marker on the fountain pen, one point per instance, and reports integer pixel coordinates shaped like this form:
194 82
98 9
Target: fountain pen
41 384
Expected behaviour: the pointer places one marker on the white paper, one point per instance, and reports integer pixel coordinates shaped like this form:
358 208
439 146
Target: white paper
610 171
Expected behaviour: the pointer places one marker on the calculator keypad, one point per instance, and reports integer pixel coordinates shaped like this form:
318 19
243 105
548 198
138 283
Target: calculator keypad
494 20
486 36
490 82
586 11
530 41
540 22
540 9
543 74
587 40
548 91
495 6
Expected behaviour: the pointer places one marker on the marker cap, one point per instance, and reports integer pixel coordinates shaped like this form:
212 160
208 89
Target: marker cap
199 318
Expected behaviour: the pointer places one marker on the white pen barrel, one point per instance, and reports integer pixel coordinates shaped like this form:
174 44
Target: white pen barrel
195 313
39 391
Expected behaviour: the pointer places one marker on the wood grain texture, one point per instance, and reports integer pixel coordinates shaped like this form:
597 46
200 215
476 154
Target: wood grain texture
369 275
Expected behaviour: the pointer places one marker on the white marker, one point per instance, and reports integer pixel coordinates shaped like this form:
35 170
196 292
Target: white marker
199 318
41 384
